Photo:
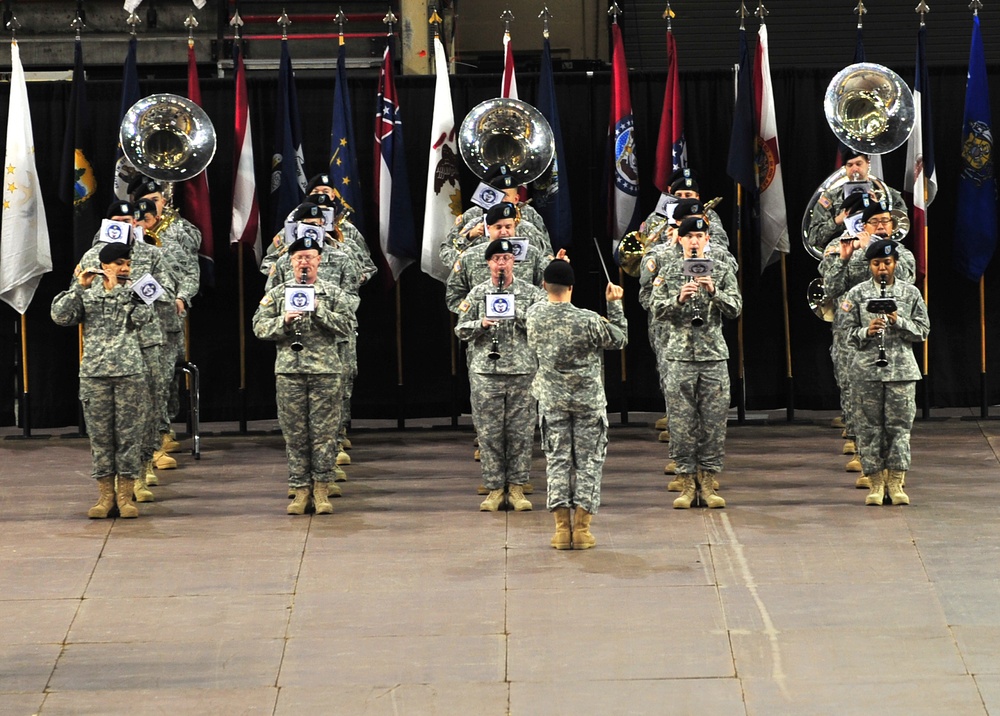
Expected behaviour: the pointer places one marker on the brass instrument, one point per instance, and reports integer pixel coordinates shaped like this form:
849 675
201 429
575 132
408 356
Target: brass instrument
297 342
506 131
634 245
168 217
167 137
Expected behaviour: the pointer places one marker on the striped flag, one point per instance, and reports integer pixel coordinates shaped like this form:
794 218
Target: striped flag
671 146
773 221
920 157
392 187
343 159
25 254
623 192
508 87
444 197
288 177
245 227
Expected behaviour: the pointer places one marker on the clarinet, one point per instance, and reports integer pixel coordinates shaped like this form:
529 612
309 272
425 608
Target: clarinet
297 343
696 319
882 361
494 353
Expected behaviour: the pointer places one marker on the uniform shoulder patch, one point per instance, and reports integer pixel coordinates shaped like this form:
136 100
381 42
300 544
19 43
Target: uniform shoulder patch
651 265
267 300
824 202
658 281
277 240
846 306
458 266
458 221
605 319
464 306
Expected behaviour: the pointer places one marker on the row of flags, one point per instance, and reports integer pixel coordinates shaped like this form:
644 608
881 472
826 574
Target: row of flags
754 163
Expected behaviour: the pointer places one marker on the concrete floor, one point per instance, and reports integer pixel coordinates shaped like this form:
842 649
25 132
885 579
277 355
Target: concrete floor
795 599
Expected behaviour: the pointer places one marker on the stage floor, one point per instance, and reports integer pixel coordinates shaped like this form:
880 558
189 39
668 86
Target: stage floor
795 599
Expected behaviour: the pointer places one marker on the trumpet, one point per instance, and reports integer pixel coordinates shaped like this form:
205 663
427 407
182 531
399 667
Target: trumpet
696 320
297 343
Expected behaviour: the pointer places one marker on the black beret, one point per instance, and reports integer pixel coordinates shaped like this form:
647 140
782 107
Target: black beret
559 272
686 208
682 183
113 251
319 180
320 199
141 185
498 176
873 208
503 210
143 207
307 210
691 224
882 248
856 202
498 246
305 243
850 154
119 208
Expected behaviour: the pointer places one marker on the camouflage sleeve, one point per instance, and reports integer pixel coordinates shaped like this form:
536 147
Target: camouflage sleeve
612 333
275 249
268 319
648 268
663 301
727 296
852 321
916 326
470 317
822 226
457 287
140 313
716 231
538 275
834 270
189 274
67 307
906 268
332 315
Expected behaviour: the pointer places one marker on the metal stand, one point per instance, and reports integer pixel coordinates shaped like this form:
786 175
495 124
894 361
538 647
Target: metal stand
194 406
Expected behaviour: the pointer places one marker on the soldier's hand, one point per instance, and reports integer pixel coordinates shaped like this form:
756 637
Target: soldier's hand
876 325
476 231
613 292
846 248
88 276
863 239
839 218
562 255
179 305
893 317
488 323
291 316
687 291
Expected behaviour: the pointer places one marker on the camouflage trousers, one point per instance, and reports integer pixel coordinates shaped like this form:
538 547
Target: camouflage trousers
503 411
842 354
309 415
575 446
885 418
699 406
171 353
152 358
349 359
116 421
658 341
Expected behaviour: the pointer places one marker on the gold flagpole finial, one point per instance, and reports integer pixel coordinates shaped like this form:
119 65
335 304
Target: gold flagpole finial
922 9
669 16
435 19
389 20
861 11
545 16
340 18
191 22
743 14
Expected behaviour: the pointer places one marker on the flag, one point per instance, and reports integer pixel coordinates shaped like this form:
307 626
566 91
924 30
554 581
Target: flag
392 187
288 178
920 157
874 160
124 171
671 147
195 204
444 197
508 87
740 164
25 254
773 222
624 172
245 227
551 190
78 184
343 160
977 184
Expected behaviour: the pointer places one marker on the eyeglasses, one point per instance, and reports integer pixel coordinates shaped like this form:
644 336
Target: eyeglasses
880 222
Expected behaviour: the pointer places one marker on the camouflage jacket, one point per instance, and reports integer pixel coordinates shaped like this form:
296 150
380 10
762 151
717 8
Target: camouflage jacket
353 242
660 256
912 326
823 226
840 276
531 227
695 343
716 231
471 269
569 343
111 322
512 340
337 265
319 332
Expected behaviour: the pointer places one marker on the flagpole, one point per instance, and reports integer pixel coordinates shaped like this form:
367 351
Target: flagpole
984 408
241 303
925 390
790 379
454 370
400 419
81 423
25 393
741 397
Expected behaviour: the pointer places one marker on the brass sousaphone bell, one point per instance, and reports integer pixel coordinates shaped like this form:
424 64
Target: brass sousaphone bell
506 131
167 137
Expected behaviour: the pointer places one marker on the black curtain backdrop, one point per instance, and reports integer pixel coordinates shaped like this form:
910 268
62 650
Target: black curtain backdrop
807 150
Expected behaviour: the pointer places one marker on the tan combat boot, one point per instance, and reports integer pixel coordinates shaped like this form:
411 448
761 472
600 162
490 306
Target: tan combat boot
863 483
149 475
517 500
527 488
107 499
850 448
877 490
670 468
126 508
707 483
676 485
854 465
895 487
338 474
582 539
321 497
168 443
301 502
688 488
162 461
492 502
141 492
661 424
838 422
345 443
664 436
562 538
343 458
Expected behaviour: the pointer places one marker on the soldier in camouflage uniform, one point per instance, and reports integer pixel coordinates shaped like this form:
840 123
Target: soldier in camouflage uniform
503 410
683 186
112 374
844 266
180 240
698 376
885 395
569 344
308 380
828 216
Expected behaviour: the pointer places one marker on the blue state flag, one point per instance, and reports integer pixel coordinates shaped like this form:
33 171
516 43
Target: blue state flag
343 159
287 173
977 186
551 190
124 171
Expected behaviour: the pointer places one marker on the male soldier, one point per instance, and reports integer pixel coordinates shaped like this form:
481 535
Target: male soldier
180 240
500 371
844 266
886 371
697 376
683 185
308 373
112 374
827 222
569 385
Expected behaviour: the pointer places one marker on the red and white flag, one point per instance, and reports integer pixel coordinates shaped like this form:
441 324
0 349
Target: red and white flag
623 191
773 219
196 206
245 227
508 88
444 197
671 147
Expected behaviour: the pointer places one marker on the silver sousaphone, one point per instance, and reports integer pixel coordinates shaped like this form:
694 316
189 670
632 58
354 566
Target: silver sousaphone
506 131
870 109
167 137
